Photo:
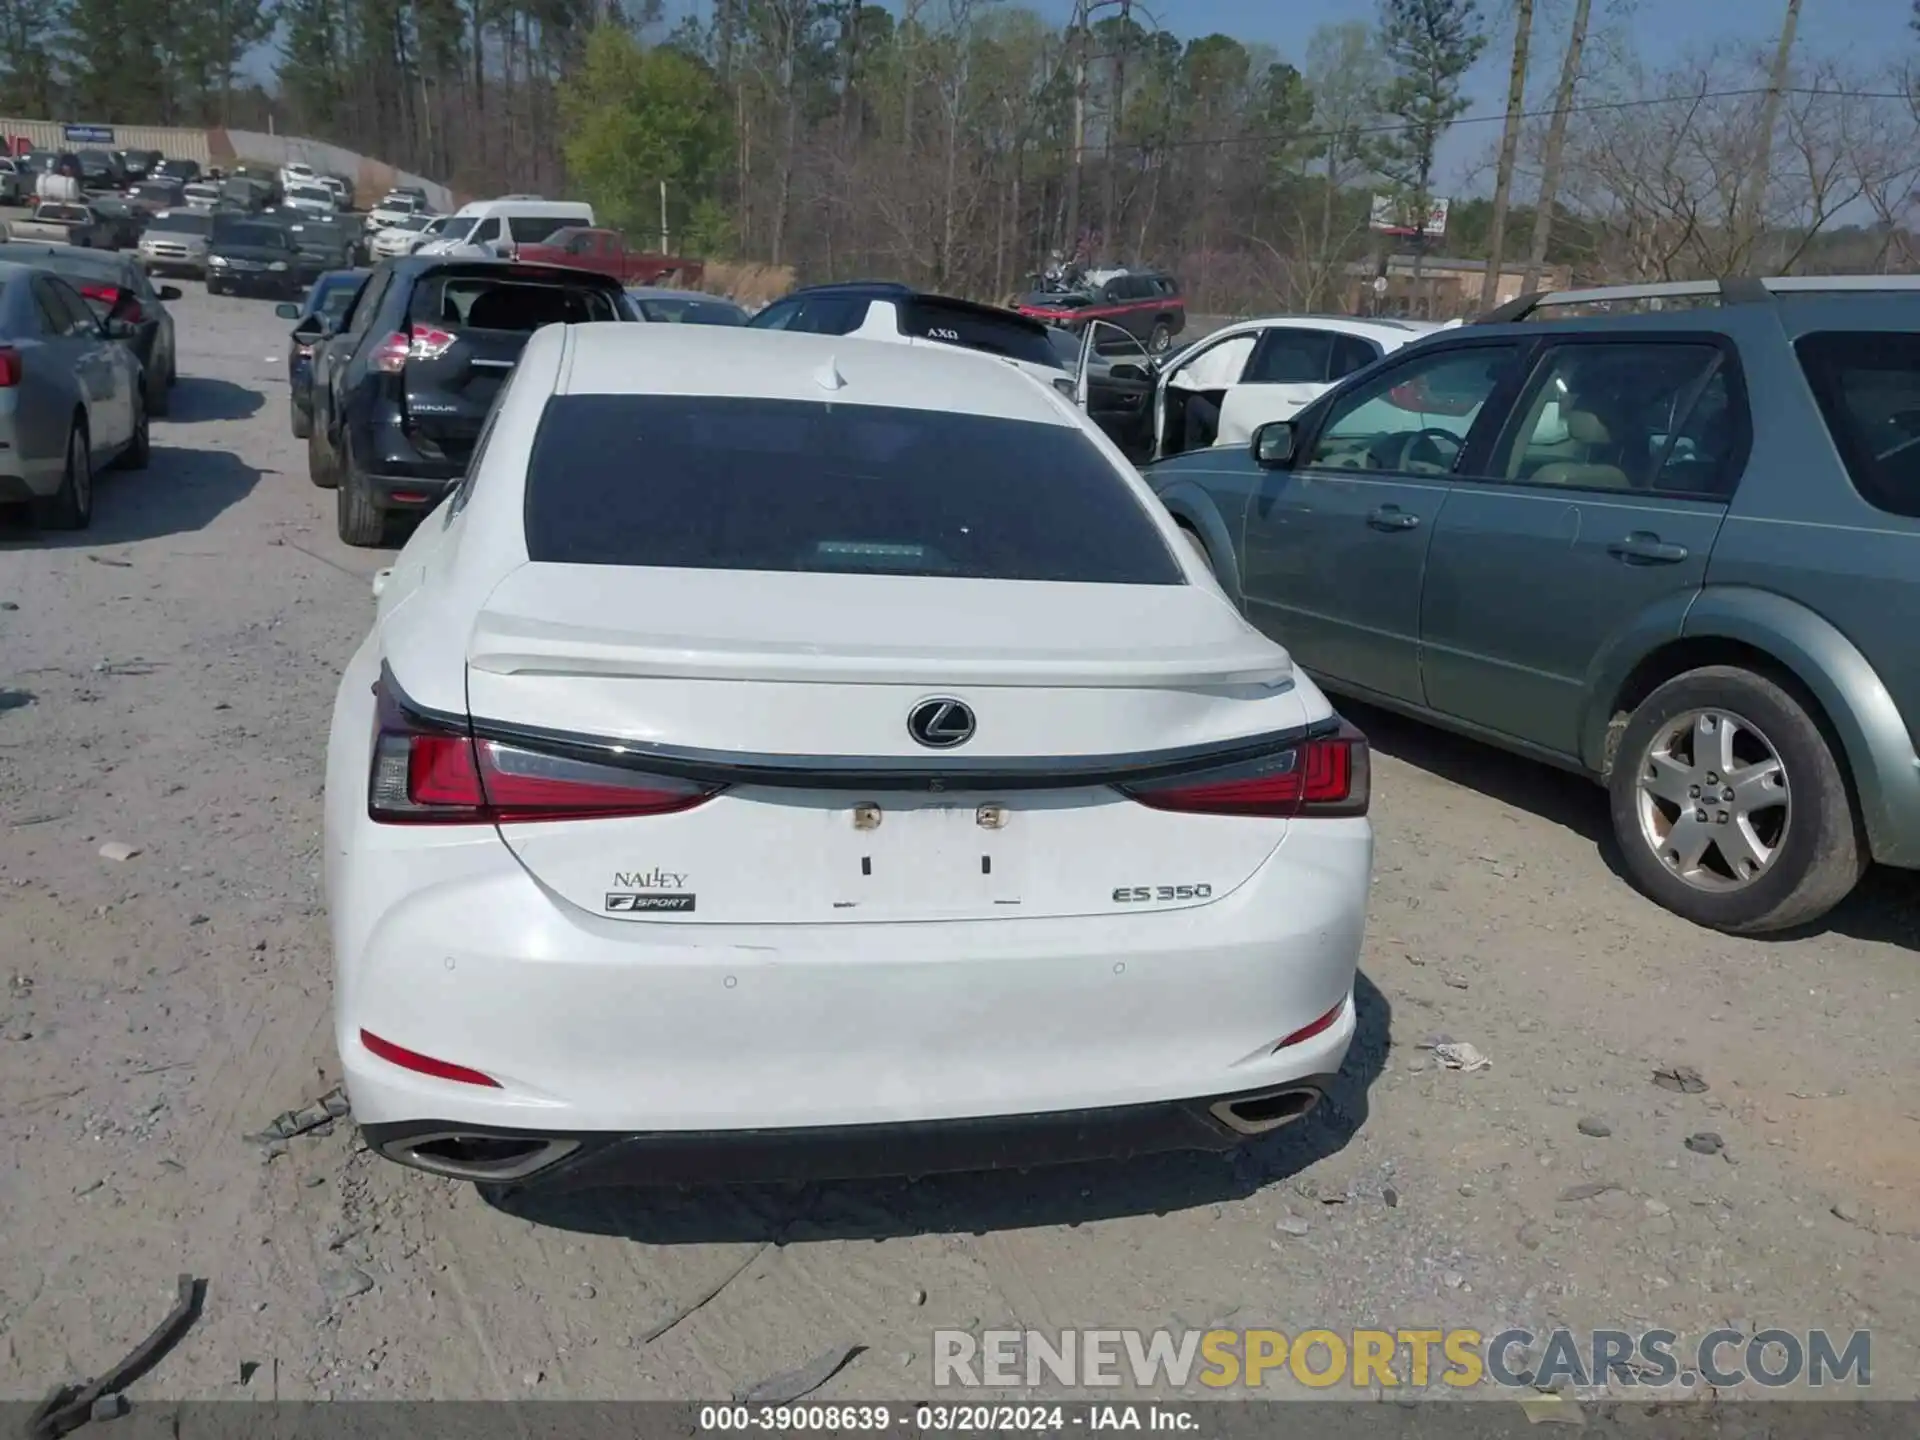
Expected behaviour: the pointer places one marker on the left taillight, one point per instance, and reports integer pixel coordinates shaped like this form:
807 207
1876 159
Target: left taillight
429 772
1328 775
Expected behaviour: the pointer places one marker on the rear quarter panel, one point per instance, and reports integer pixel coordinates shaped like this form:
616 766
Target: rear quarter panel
1810 572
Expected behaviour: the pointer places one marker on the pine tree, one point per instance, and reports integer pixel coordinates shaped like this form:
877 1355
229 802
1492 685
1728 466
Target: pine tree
1430 45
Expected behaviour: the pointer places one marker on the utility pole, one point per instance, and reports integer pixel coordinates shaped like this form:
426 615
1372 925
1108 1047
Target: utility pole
1116 108
1079 43
1753 204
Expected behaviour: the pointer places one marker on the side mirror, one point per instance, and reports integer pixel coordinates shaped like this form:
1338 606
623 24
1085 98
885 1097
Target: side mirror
169 292
1273 445
286 310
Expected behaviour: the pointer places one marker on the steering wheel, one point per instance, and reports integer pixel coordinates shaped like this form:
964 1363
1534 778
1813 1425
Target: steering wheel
1444 443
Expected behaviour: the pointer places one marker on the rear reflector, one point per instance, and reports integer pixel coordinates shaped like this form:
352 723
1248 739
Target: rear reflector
424 1064
428 773
1326 776
1318 1027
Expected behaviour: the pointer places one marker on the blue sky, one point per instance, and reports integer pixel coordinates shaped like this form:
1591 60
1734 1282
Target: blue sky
1869 32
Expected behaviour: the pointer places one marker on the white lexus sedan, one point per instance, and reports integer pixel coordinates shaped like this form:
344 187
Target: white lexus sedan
798 756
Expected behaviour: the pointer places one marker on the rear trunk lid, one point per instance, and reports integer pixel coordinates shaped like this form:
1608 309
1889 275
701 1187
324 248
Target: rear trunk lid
831 811
469 325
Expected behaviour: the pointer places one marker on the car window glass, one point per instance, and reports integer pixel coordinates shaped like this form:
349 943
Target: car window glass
1350 353
1868 388
777 316
829 315
1609 415
1286 356
79 319
701 482
1415 417
54 320
1217 367
486 232
366 304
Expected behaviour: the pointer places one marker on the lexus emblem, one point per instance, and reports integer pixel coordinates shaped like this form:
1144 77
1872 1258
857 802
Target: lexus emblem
940 724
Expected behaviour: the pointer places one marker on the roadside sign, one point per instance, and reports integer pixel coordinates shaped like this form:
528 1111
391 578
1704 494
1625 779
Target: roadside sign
88 134
1389 215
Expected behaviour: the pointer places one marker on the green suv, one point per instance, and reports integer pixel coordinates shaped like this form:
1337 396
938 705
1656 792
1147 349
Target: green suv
1668 536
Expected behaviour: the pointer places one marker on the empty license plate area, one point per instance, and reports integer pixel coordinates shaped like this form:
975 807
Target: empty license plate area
912 858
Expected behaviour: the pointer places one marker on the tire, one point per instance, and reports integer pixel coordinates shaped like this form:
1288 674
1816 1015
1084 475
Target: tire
320 466
359 520
158 401
300 420
71 506
139 452
1803 829
1160 338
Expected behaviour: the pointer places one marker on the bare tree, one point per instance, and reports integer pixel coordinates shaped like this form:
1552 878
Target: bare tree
1551 156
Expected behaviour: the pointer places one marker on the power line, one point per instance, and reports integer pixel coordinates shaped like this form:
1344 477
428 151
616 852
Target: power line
1499 117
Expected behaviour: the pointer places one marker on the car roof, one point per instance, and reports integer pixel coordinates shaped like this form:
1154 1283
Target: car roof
624 359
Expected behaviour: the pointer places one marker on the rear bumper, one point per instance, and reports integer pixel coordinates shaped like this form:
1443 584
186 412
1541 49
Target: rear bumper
395 468
409 493
557 1162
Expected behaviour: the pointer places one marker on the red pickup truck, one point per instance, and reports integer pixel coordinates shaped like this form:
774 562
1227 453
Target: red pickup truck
606 251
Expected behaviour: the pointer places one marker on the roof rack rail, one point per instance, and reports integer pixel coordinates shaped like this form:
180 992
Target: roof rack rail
1731 290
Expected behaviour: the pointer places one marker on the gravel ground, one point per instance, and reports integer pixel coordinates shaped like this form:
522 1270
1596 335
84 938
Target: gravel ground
165 681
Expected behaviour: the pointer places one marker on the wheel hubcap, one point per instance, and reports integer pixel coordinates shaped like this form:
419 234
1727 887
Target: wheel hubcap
1713 800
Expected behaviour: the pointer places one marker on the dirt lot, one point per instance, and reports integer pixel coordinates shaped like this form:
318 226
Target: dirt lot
165 681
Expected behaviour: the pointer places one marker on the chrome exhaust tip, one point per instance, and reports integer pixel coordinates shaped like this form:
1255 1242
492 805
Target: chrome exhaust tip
484 1159
1261 1113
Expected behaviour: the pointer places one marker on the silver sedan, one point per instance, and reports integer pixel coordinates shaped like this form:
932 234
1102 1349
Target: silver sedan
70 398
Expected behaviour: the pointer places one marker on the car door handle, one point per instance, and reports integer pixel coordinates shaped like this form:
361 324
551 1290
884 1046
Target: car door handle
1643 548
1392 517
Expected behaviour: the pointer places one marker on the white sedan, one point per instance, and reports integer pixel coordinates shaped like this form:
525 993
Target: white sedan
798 755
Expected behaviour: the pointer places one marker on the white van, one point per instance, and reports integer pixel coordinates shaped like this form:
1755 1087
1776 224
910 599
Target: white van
499 227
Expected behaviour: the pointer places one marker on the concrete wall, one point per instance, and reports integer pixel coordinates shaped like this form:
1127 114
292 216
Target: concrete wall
371 178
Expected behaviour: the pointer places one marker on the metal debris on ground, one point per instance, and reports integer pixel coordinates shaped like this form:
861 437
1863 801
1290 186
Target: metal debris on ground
674 1319
328 1108
793 1384
1459 1055
71 1406
1681 1079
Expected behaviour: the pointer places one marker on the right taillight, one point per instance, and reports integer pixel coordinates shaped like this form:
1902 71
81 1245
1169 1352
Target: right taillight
1328 775
11 368
426 772
391 355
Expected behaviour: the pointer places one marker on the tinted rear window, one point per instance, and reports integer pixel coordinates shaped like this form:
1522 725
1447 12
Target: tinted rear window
972 329
480 302
690 312
1868 386
267 237
187 224
786 485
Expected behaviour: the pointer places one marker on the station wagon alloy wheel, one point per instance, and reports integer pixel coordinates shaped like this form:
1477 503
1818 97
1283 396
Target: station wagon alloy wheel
1713 800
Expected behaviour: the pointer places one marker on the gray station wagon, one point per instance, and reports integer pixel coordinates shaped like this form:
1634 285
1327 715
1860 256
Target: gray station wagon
1668 536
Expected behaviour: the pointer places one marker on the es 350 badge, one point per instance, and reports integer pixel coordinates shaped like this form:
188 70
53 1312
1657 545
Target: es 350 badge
629 902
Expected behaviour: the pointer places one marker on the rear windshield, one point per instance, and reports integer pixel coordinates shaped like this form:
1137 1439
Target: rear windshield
1868 386
268 237
962 325
183 221
480 302
673 309
310 192
710 483
61 212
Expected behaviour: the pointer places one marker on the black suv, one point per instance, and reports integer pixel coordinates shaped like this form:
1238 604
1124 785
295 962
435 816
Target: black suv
886 310
1144 303
402 385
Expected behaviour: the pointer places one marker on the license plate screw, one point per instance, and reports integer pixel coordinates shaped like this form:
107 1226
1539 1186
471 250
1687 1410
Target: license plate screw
990 817
866 816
